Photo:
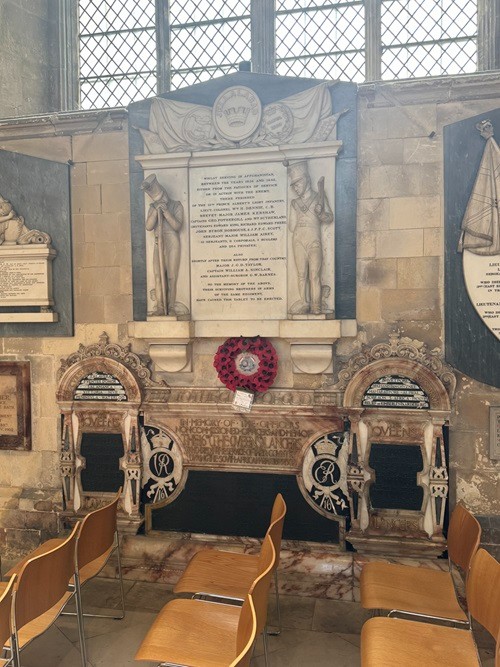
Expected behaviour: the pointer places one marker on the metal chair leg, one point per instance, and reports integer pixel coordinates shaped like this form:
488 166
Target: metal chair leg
266 647
79 614
122 594
120 577
276 633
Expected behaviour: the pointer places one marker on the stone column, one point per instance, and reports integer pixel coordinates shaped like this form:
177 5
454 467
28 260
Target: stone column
373 40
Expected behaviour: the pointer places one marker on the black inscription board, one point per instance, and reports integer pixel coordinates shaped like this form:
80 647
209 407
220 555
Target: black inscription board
395 391
227 503
396 468
100 387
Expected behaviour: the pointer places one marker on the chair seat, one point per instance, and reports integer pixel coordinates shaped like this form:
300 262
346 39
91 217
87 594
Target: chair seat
42 549
193 633
415 589
394 642
219 573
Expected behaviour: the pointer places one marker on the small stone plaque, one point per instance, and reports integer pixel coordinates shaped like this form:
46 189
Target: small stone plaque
495 433
15 410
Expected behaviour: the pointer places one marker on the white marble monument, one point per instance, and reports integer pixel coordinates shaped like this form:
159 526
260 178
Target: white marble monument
253 187
26 258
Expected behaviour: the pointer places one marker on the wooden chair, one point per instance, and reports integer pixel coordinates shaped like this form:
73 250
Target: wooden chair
215 574
197 633
96 541
394 642
421 592
5 631
41 591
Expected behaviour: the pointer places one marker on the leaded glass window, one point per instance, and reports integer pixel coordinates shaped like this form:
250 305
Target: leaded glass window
207 39
320 40
126 47
428 37
117 43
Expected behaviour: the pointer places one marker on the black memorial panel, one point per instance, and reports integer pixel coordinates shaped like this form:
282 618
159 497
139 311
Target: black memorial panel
224 503
396 391
396 468
102 453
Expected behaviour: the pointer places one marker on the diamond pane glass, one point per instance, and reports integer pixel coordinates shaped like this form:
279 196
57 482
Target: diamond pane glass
428 37
321 41
117 52
207 39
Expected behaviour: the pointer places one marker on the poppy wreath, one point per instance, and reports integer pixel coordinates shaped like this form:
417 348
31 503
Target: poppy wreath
246 363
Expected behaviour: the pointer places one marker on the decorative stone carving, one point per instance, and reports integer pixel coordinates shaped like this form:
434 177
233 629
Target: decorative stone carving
323 479
164 476
108 350
26 259
309 211
404 349
238 119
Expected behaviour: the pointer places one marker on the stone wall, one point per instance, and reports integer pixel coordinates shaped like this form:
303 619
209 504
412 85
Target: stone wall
28 57
400 282
400 247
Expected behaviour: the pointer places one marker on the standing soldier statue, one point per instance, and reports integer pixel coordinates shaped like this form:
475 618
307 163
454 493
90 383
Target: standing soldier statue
308 212
165 218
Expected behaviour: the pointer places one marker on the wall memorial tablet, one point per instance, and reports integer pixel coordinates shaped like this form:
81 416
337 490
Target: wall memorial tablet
15 410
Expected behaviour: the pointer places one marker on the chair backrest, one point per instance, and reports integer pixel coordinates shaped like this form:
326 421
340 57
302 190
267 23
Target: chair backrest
247 632
275 530
260 587
5 605
464 535
97 534
43 582
483 592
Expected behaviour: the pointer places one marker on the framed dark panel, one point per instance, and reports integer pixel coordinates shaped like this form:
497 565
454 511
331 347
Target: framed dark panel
102 453
396 468
15 405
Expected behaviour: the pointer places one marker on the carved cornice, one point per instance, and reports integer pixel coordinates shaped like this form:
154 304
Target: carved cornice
399 348
113 351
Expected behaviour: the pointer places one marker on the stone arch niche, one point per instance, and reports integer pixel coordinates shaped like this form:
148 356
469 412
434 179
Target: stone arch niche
100 393
398 398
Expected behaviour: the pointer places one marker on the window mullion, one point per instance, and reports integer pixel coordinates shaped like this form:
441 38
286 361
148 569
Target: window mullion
163 56
373 40
263 18
488 39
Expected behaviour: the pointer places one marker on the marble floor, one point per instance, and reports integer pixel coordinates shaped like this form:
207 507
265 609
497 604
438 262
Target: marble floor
316 633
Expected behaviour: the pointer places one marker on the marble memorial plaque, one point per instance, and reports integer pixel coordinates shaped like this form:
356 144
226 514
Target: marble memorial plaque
26 281
395 391
242 442
482 279
100 387
238 218
15 417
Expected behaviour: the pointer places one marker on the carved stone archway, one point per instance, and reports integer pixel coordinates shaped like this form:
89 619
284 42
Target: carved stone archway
101 390
397 394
